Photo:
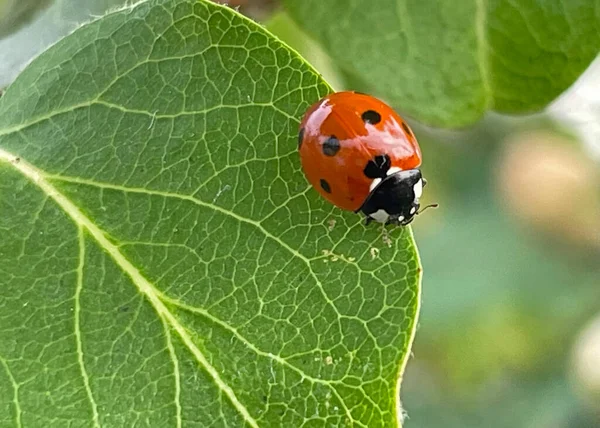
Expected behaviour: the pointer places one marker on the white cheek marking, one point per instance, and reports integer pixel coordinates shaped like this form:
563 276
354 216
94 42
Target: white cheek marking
380 215
401 218
412 210
418 189
375 183
393 170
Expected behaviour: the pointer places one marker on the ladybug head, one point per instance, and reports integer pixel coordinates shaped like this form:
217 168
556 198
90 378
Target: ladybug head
395 198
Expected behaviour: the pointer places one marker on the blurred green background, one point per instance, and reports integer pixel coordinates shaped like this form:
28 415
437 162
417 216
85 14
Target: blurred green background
509 333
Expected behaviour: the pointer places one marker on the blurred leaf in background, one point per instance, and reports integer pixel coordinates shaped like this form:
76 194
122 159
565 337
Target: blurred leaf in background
15 13
40 26
258 10
448 62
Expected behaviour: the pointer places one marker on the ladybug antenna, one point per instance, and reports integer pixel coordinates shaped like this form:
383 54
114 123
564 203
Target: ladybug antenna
428 206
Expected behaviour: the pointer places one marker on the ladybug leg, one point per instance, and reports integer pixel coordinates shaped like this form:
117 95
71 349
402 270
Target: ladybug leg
392 220
368 220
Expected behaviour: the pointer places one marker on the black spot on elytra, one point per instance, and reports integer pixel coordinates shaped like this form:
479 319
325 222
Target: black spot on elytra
371 116
325 186
331 146
300 137
378 167
406 128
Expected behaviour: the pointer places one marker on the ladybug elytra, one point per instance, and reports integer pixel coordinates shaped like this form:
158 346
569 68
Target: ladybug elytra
359 154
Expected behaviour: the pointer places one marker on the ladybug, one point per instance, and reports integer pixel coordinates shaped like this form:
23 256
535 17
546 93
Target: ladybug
359 154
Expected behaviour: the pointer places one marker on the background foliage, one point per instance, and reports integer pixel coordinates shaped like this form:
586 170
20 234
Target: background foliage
507 334
447 63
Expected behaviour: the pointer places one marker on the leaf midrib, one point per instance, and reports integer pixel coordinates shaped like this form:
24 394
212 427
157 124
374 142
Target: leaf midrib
156 298
307 261
217 321
144 286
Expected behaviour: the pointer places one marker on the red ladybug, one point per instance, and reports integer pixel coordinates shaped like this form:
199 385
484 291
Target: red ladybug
359 154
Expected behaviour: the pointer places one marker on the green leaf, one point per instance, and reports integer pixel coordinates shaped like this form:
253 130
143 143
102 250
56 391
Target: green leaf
286 29
163 260
448 62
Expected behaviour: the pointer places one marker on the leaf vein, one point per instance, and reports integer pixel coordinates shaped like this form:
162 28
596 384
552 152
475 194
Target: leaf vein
251 346
78 338
15 385
217 208
144 286
173 355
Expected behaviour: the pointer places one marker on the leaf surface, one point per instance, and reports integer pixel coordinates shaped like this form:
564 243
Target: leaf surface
163 260
448 62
